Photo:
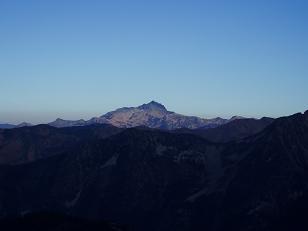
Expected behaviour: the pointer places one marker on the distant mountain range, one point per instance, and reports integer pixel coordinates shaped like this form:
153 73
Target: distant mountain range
243 174
9 126
31 143
152 115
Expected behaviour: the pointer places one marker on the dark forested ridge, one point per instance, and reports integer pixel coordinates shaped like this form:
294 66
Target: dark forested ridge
234 130
149 179
26 144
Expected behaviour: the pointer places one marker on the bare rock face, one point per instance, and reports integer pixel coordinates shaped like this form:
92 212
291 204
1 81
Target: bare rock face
154 115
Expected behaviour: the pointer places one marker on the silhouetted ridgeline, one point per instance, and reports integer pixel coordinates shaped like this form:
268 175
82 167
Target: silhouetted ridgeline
157 180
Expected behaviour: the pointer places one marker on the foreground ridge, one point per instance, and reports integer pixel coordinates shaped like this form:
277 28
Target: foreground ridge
160 180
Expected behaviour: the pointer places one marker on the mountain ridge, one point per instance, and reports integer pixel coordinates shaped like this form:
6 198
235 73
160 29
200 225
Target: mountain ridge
157 180
152 114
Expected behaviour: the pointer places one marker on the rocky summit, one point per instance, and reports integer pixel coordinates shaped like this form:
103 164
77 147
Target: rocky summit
152 115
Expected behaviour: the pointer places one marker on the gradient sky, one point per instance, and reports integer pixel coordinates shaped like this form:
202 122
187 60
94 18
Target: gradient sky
79 59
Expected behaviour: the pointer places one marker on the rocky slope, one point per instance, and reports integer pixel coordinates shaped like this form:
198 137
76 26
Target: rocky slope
153 115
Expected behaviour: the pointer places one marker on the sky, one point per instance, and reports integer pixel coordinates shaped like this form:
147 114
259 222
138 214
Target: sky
80 59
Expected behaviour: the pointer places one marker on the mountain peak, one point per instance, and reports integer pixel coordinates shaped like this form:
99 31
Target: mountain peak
59 119
237 118
153 105
24 124
67 123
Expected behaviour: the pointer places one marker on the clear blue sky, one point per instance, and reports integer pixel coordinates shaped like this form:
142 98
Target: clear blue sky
79 59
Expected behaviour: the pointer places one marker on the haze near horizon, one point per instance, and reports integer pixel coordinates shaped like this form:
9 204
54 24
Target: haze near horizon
80 59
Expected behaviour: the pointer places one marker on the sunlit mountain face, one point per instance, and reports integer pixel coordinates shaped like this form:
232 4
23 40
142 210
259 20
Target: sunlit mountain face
245 174
152 115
